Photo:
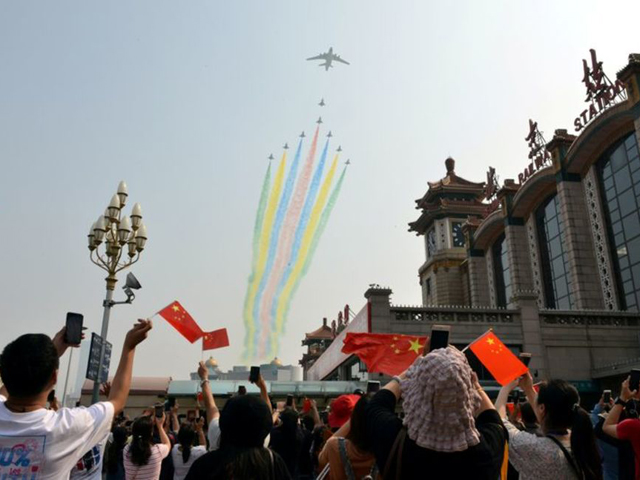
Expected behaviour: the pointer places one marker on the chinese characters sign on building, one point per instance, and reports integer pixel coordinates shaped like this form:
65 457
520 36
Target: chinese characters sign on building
601 92
538 153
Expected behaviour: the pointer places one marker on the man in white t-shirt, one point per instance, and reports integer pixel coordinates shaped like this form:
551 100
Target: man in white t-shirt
40 444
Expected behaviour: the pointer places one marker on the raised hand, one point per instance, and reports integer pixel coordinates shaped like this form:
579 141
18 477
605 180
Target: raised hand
137 334
203 371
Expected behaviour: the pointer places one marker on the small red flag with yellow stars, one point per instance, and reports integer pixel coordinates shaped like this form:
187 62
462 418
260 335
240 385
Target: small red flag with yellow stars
384 353
497 358
215 339
180 319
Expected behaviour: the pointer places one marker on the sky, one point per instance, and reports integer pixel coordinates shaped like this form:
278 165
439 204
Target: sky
186 100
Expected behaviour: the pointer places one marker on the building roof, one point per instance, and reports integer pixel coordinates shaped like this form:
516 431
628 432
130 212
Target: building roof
139 385
451 184
323 333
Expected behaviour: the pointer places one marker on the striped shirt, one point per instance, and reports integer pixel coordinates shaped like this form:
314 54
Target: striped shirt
150 471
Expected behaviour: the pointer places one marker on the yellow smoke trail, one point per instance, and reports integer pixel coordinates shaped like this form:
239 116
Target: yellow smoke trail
304 251
265 239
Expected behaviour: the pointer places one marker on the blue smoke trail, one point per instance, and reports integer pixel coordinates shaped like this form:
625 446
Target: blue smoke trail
275 235
302 226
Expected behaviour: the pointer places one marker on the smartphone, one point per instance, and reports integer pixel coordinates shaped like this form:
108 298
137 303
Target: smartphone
51 396
606 396
159 411
439 337
289 401
242 390
254 374
517 396
373 386
634 382
73 331
525 358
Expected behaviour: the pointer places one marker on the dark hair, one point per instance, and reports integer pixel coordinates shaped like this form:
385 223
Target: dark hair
113 455
358 431
308 422
27 365
528 415
289 418
140 449
245 422
186 437
563 411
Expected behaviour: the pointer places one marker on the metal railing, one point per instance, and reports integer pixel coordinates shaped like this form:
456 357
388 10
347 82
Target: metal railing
454 314
589 318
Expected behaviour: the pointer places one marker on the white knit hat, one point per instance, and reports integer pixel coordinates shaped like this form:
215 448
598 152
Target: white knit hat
440 401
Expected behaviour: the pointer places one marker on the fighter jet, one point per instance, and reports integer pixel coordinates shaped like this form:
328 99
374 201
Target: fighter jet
328 57
348 162
329 135
271 157
339 148
322 104
302 135
286 146
319 120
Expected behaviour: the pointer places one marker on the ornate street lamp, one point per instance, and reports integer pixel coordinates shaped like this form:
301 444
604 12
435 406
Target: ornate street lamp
110 236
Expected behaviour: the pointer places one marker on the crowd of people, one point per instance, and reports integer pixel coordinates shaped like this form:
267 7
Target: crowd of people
434 421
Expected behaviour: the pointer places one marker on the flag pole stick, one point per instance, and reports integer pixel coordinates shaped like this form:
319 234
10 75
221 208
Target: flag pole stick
474 341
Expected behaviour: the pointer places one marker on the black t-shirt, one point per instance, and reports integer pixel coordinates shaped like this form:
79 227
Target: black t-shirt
480 462
215 466
288 448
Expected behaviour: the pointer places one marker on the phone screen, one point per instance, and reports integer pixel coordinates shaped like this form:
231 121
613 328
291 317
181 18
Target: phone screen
159 411
73 331
254 374
242 390
606 396
373 387
289 400
439 337
634 382
525 358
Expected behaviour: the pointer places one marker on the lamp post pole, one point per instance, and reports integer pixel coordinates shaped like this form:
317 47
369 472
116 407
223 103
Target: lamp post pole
114 230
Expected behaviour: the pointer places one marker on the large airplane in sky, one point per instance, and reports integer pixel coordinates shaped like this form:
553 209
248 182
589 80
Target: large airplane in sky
328 57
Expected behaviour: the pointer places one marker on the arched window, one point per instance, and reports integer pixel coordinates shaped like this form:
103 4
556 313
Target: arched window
501 271
619 172
554 259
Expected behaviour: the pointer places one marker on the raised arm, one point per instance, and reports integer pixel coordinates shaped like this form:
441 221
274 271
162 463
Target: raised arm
122 380
263 392
610 426
164 438
175 423
503 396
199 429
207 395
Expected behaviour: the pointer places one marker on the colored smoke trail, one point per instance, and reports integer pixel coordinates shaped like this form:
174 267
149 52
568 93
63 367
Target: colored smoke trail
291 220
300 229
275 239
263 245
284 299
257 229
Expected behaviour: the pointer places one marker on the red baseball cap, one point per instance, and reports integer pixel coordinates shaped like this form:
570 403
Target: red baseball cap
341 409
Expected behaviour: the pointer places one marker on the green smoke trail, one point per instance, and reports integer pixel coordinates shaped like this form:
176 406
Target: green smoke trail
257 229
322 224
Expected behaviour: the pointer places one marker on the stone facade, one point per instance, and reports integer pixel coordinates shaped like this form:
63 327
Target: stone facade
535 259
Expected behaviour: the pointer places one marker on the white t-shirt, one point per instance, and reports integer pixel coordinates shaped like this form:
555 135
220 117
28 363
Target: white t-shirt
180 469
46 445
213 434
89 467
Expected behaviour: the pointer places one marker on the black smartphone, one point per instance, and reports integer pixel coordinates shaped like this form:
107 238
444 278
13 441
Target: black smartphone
439 337
289 400
373 387
634 382
517 396
159 411
606 397
525 358
254 374
73 331
242 390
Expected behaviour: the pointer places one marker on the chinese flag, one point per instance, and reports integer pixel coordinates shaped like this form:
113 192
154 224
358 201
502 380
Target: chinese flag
497 358
180 319
215 339
384 353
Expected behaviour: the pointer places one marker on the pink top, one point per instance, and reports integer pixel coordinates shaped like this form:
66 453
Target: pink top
150 471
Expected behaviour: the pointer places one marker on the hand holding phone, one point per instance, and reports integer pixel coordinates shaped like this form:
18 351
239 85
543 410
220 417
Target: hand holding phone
606 397
159 411
254 375
73 328
634 380
525 358
439 337
289 400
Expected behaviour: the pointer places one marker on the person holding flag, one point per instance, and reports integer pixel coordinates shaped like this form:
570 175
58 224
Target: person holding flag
450 428
568 448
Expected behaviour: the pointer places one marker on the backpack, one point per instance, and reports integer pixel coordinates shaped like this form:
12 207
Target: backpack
348 468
